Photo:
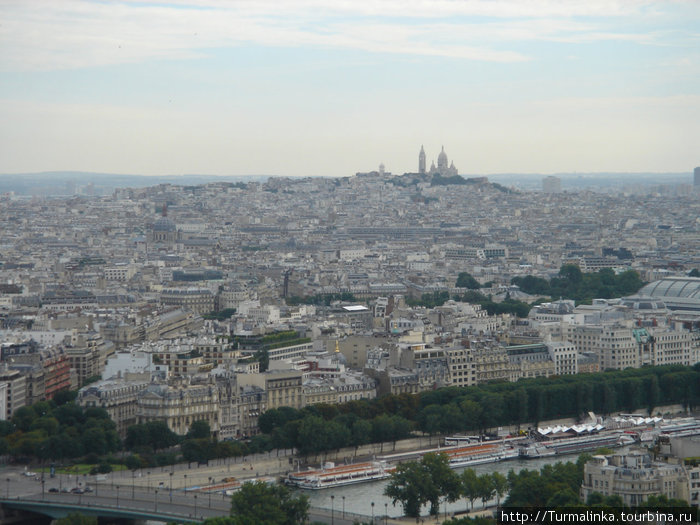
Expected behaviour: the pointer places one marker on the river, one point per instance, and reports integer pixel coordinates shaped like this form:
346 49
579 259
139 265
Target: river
358 498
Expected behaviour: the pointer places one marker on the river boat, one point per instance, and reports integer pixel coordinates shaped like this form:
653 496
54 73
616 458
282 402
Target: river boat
573 445
480 454
335 476
536 451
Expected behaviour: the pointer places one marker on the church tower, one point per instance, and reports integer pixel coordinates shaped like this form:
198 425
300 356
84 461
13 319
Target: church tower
421 161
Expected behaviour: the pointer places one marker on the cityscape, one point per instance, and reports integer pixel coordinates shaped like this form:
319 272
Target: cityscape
355 263
225 310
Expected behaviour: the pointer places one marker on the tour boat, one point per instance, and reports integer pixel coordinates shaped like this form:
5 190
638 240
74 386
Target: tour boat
334 476
480 454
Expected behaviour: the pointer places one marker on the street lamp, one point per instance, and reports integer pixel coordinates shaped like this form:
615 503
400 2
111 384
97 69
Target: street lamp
148 480
373 513
195 506
117 496
133 477
171 487
8 488
343 507
332 510
185 482
155 500
386 513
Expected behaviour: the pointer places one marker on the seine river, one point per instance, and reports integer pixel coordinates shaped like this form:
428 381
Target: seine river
358 498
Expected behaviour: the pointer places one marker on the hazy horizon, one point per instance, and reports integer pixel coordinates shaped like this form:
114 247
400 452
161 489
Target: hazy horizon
311 88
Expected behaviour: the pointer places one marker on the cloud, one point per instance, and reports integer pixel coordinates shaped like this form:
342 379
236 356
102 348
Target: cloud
77 33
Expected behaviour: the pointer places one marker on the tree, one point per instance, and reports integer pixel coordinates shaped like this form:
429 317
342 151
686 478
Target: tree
500 486
443 477
264 504
410 486
199 430
485 488
470 486
466 280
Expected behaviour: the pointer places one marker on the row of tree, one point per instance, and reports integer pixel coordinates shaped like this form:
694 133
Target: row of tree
507 306
571 283
320 428
478 408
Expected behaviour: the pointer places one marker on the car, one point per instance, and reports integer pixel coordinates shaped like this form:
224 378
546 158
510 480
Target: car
53 489
77 490
88 489
65 490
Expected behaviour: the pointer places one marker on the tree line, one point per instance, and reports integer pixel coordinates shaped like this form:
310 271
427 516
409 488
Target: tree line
571 283
60 429
477 408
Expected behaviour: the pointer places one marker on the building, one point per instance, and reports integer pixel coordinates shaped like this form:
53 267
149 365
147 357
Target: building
442 169
282 387
16 390
564 356
634 477
179 405
551 184
119 397
194 299
679 294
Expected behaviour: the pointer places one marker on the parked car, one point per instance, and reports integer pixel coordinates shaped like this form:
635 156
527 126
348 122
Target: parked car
53 489
77 490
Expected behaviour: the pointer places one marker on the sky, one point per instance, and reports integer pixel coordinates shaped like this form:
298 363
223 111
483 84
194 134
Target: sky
333 87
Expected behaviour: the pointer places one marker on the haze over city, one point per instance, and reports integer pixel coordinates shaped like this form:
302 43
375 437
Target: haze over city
331 88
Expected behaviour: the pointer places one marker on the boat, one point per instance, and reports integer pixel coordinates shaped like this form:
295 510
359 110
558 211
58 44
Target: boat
335 476
230 485
480 454
536 451
592 442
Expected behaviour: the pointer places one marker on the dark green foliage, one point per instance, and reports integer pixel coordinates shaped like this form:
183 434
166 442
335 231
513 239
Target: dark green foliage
64 396
263 504
222 315
553 483
571 283
507 306
478 408
417 483
465 280
199 430
49 431
154 435
263 357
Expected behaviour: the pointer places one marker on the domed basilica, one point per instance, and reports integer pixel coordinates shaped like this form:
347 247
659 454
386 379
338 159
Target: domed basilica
442 167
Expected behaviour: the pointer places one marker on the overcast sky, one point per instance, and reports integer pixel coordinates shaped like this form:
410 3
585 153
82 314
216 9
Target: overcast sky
326 87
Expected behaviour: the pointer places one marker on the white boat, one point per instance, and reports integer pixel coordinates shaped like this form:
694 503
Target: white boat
331 476
592 442
480 454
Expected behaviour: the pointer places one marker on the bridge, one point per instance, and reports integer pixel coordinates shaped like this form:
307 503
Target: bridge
154 506
162 506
